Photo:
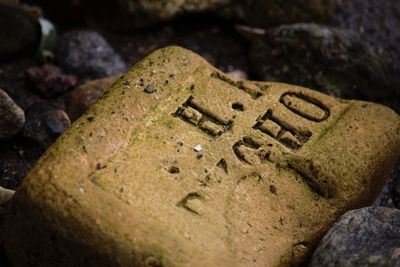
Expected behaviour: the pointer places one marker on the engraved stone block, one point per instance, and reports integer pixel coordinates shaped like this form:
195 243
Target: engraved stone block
274 166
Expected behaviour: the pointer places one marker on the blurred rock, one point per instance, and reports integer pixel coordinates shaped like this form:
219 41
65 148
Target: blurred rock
85 95
88 55
261 13
363 237
50 80
44 123
12 117
378 22
333 61
267 13
19 33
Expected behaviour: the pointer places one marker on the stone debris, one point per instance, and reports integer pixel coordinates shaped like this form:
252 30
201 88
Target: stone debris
198 148
275 159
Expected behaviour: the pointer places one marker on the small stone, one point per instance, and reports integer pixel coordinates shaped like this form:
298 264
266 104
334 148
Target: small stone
50 80
364 237
198 148
238 74
88 55
44 123
150 89
12 116
85 95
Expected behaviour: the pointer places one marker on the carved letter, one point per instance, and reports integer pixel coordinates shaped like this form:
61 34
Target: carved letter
202 118
305 106
192 202
249 151
286 134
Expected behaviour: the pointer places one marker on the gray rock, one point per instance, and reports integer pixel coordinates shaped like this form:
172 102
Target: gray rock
88 55
12 117
334 61
364 237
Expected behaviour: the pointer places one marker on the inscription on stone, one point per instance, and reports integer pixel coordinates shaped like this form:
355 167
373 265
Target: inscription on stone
208 171
192 202
202 118
282 131
305 106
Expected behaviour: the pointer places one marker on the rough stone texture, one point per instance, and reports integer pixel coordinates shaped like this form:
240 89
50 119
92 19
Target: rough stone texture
364 237
50 80
88 55
124 185
19 33
85 95
12 116
333 61
44 123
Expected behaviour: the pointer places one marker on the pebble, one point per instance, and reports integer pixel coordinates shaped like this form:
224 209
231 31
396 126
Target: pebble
44 123
88 55
85 95
12 116
50 80
364 237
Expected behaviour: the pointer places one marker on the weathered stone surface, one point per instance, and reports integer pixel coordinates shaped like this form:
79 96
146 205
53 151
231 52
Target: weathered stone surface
205 171
364 237
88 55
12 117
330 60
85 95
